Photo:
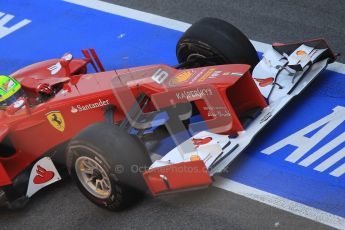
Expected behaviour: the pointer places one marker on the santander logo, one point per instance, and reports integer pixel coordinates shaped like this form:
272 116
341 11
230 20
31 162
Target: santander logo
43 175
80 108
74 109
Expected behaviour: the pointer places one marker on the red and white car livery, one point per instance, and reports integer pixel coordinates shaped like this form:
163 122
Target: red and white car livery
85 121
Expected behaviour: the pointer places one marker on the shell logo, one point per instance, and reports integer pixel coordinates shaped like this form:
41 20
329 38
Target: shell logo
301 52
181 77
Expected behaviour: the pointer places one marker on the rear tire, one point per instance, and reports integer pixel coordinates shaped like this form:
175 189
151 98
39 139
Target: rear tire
211 41
106 164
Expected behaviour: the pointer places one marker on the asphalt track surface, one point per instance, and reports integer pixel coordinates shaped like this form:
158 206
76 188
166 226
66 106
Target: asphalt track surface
264 20
63 207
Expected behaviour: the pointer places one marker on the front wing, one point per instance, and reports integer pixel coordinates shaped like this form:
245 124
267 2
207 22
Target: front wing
174 172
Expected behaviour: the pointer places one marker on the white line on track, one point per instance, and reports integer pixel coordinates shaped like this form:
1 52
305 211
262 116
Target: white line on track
281 203
224 183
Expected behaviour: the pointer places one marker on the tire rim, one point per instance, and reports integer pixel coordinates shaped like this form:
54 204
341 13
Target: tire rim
93 177
200 53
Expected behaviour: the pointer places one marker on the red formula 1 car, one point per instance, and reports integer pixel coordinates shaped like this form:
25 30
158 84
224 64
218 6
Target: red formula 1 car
100 125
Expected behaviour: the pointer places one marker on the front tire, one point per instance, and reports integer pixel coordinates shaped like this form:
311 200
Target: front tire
106 164
211 41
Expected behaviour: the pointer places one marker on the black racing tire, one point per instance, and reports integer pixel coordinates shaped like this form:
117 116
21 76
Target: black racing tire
211 41
117 159
3 198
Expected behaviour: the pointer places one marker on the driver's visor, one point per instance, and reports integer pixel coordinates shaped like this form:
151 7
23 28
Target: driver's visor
8 88
12 99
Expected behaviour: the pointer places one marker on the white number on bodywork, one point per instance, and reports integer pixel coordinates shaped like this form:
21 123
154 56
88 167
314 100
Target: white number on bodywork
160 76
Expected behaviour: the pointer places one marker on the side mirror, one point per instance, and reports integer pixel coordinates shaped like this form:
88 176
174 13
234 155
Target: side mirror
67 57
16 106
63 63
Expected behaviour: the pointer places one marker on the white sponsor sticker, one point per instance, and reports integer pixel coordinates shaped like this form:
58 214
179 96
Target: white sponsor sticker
81 108
42 174
192 94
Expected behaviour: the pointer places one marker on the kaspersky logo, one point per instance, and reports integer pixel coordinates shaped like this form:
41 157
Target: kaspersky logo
81 108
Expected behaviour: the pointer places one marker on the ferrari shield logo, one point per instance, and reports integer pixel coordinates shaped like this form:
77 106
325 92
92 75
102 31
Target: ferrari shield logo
55 118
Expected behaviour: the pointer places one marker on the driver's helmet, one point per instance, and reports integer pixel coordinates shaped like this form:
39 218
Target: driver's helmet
10 90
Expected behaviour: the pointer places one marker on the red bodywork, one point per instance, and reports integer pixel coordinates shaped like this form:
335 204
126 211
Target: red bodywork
82 98
190 175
